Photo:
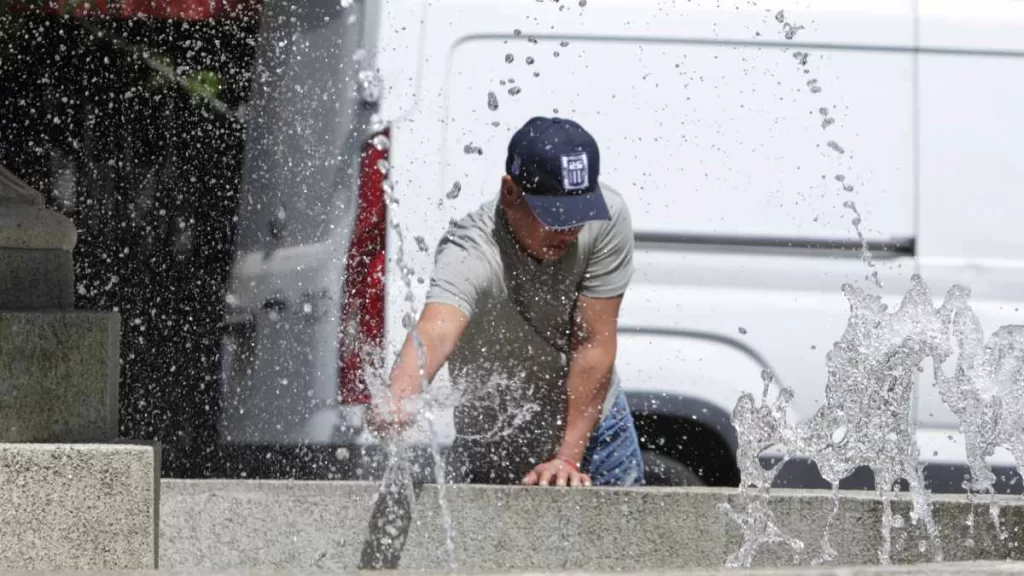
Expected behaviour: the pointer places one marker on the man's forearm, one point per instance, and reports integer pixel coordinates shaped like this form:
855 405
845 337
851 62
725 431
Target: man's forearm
439 328
590 371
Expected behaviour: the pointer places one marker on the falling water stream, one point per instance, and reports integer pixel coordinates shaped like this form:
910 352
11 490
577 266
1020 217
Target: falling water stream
392 515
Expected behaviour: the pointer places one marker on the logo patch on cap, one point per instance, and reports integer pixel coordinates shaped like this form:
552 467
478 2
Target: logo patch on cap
575 171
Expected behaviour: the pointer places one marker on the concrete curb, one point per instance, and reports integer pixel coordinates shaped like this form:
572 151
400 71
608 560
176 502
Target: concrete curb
79 506
239 525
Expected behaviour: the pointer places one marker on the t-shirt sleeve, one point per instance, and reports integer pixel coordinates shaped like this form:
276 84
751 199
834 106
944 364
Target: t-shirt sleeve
610 267
460 274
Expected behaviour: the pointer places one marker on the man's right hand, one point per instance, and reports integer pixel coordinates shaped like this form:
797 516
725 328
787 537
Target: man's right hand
439 327
391 421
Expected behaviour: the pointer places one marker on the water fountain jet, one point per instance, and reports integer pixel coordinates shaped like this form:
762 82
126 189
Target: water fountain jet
867 418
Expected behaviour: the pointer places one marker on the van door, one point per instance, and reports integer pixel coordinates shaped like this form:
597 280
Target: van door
972 57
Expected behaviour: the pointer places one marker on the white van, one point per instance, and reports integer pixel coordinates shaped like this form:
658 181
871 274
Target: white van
746 137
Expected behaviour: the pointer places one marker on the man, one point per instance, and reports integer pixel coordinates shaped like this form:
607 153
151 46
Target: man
523 305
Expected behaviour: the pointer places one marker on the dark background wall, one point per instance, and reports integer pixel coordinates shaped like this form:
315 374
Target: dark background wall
148 166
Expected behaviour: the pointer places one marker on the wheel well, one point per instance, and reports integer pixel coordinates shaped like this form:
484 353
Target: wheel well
692 443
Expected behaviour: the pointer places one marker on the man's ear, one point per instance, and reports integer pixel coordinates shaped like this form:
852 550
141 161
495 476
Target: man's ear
509 191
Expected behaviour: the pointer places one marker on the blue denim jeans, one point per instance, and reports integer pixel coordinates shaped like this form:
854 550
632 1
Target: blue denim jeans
613 457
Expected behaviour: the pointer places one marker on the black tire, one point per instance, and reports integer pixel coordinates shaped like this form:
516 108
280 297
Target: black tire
661 470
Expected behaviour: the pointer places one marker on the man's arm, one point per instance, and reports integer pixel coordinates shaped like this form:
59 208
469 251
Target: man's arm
439 327
593 346
590 371
592 356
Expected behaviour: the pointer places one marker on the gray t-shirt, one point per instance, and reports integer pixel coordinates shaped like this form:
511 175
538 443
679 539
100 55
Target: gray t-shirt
511 362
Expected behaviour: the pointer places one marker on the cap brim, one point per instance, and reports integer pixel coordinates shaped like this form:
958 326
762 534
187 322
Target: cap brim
568 211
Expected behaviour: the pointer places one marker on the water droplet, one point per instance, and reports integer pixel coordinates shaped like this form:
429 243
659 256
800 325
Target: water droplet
897 521
583 3
557 54
839 435
455 191
823 111
536 74
840 178
835 146
472 149
369 86
381 142
742 330
517 32
564 43
307 308
780 16
813 85
848 187
377 123
509 58
421 244
345 4
529 60
515 90
532 39
383 166
827 122
492 101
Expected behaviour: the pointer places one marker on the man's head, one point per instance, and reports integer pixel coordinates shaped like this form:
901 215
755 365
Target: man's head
550 187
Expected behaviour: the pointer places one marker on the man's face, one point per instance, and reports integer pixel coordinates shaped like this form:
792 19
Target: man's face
545 244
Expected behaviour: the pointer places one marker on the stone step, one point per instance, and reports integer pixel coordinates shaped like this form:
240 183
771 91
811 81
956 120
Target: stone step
79 506
59 376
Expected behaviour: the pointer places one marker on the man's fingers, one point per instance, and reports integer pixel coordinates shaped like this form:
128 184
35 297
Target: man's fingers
546 475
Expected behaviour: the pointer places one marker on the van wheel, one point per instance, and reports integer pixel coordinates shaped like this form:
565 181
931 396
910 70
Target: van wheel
661 470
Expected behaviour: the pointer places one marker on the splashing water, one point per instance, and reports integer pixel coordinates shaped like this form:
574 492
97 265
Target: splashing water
867 419
391 517
393 510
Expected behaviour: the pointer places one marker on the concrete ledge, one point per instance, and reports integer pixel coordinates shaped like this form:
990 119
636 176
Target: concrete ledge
78 507
59 376
224 524
943 569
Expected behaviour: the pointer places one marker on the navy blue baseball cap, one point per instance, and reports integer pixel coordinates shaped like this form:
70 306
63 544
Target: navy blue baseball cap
556 163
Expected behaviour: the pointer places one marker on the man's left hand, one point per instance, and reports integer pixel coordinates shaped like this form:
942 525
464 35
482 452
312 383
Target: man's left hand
558 472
